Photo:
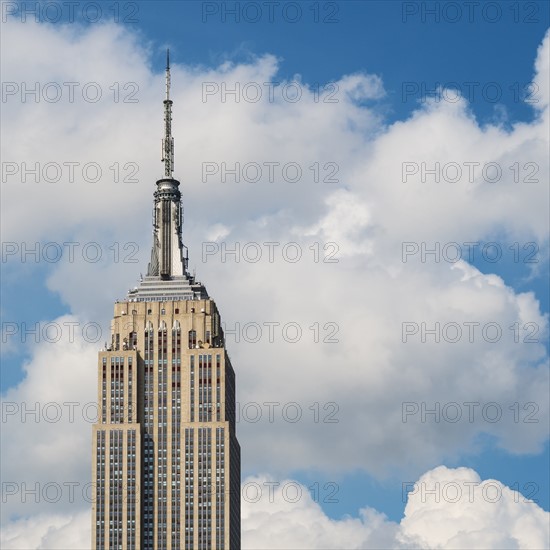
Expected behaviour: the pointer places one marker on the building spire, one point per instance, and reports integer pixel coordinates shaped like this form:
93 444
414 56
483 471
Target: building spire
168 140
169 254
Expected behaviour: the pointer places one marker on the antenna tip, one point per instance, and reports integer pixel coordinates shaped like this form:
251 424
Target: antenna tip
167 58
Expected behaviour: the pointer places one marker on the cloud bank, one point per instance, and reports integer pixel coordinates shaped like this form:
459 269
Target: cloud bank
358 201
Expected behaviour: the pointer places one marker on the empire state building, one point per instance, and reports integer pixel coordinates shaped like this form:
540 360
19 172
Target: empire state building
165 459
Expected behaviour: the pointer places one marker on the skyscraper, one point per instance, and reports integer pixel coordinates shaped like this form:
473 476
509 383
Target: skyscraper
166 460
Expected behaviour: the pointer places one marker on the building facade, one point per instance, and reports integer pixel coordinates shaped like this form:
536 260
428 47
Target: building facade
166 460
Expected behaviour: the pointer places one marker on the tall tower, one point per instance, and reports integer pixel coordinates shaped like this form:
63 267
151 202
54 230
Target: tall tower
166 460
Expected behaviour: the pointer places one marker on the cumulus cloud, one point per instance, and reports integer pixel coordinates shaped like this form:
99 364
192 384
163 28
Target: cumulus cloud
53 532
454 508
361 221
47 421
446 509
351 205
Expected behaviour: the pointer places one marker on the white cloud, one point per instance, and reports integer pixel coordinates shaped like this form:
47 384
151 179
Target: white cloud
542 76
47 421
217 232
367 295
52 532
447 509
472 513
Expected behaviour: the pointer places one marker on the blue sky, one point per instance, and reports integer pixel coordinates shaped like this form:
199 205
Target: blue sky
410 52
395 40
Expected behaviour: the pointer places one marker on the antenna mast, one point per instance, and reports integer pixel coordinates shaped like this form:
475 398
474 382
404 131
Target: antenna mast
168 141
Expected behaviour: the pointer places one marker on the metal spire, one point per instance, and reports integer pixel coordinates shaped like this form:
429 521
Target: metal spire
169 258
168 141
